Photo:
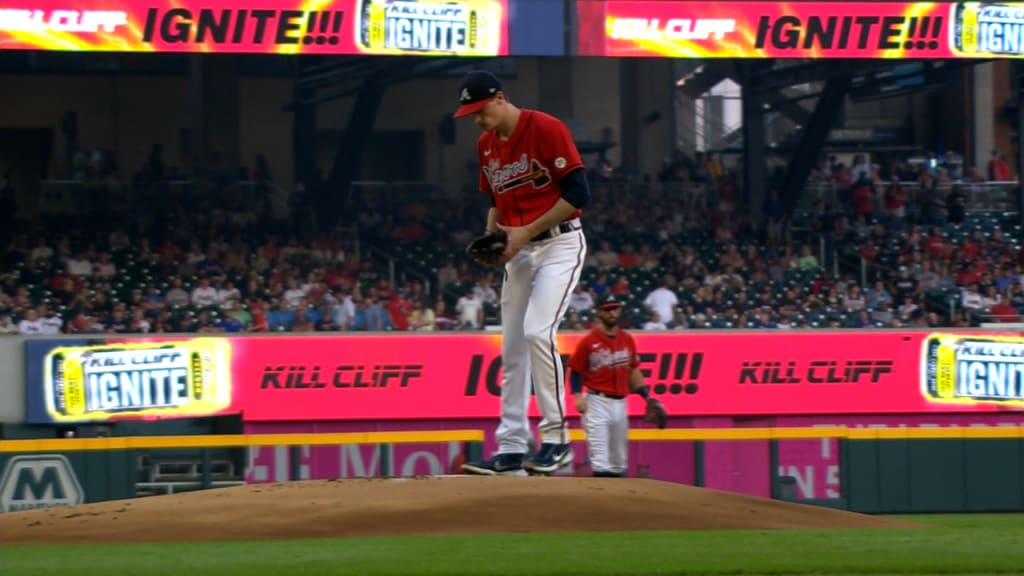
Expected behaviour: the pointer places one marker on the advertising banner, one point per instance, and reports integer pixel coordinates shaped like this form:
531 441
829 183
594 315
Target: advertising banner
106 381
915 30
458 376
361 27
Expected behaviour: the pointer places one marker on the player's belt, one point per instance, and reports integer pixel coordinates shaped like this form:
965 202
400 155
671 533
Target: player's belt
604 395
555 231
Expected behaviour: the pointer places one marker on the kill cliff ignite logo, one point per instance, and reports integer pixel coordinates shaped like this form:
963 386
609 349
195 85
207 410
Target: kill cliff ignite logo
181 25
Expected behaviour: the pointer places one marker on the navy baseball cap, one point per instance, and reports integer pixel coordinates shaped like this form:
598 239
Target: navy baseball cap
609 302
477 89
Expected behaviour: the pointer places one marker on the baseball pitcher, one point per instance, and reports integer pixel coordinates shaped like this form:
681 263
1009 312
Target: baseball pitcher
533 175
604 370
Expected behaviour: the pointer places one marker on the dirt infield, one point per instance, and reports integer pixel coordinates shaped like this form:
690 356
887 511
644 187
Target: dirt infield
417 506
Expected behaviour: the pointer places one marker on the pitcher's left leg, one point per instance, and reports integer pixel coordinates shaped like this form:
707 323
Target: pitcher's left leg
557 272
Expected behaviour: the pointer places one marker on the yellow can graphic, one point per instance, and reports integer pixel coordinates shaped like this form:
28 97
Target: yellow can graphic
455 28
986 29
972 369
166 379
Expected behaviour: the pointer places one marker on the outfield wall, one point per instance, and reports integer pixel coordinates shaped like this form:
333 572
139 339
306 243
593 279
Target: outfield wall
737 466
382 382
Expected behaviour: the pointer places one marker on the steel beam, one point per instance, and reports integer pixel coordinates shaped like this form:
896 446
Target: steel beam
812 139
815 71
349 155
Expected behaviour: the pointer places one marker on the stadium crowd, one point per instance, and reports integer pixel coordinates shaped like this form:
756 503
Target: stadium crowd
889 246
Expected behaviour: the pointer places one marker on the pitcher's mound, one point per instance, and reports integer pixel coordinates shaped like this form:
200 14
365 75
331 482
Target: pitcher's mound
418 506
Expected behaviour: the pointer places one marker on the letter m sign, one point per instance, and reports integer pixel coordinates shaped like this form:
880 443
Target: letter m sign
39 481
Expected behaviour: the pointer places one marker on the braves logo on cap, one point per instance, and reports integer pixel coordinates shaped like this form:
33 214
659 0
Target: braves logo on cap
476 90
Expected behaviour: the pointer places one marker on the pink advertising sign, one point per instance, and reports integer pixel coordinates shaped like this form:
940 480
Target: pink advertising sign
406 377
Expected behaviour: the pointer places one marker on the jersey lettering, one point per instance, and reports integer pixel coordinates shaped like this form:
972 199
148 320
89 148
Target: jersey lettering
604 362
521 174
523 171
604 358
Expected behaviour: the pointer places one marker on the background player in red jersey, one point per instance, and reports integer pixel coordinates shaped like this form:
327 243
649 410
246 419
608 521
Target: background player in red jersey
604 370
534 177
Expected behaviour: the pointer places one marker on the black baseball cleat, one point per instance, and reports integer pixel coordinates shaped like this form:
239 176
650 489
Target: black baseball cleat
497 465
550 457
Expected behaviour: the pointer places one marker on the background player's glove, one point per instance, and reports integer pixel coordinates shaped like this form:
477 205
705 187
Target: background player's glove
488 249
656 413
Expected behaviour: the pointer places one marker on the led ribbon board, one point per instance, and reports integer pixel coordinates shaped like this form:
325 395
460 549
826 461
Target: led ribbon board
384 27
683 29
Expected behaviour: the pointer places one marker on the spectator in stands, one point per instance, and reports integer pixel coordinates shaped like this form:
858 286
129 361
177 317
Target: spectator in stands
343 310
573 322
1016 295
599 286
998 167
399 310
807 262
1004 310
990 297
971 298
606 257
775 217
904 285
80 264
896 202
30 324
764 320
470 311
422 316
663 301
7 326
176 296
956 207
854 299
581 300
621 285
628 258
301 321
862 319
654 322
204 295
442 319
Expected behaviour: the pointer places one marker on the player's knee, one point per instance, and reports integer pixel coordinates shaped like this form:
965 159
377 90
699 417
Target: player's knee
541 336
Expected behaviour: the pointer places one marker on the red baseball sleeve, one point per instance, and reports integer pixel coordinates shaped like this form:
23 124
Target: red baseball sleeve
485 183
559 149
578 360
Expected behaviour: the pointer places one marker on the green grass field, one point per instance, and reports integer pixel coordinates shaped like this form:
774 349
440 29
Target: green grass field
957 544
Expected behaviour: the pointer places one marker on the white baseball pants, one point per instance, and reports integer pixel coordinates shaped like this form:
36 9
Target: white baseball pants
606 422
534 298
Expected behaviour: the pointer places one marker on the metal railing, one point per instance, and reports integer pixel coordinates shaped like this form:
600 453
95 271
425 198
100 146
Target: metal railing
70 197
980 196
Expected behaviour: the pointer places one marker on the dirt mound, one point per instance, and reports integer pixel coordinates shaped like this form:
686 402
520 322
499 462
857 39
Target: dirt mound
418 506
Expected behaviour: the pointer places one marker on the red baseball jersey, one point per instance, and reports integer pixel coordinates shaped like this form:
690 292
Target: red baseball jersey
522 173
605 362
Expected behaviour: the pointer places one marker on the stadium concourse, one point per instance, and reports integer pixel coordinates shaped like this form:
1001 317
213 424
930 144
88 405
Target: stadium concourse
870 247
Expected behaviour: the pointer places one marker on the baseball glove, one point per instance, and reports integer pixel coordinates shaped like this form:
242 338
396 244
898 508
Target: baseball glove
656 413
487 249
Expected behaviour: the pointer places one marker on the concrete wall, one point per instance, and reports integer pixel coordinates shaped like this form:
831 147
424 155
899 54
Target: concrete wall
12 379
129 114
